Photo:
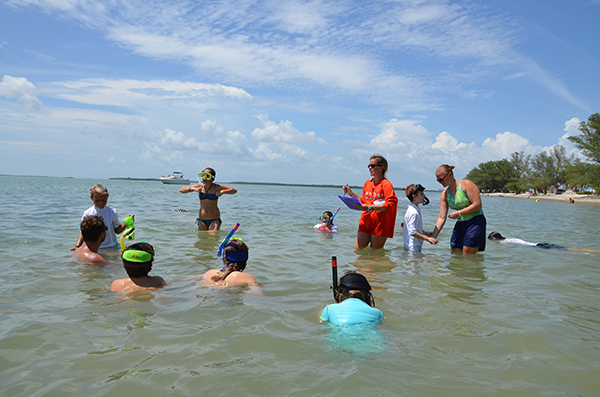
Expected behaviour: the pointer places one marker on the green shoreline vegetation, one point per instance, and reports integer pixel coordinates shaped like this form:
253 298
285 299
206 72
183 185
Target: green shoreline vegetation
547 171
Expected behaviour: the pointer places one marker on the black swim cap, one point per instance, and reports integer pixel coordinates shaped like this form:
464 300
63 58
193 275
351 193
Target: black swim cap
355 281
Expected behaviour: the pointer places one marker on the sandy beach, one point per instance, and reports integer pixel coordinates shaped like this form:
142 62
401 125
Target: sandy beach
565 197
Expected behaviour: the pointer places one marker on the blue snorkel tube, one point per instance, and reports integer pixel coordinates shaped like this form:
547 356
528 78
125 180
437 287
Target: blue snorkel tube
227 239
331 220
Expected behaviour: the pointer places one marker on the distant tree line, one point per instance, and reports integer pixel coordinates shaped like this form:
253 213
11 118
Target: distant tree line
545 170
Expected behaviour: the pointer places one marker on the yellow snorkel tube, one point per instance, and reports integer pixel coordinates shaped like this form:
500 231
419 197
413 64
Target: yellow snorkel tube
129 233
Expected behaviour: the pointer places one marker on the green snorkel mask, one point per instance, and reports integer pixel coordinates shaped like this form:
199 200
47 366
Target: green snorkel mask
129 233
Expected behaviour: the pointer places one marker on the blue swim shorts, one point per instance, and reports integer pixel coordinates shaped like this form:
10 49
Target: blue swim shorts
470 233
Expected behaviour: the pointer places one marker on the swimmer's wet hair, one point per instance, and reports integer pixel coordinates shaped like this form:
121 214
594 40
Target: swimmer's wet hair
99 190
92 227
139 269
341 293
495 236
232 246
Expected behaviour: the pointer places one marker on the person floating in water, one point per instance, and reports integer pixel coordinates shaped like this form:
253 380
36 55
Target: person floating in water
354 302
495 236
326 224
235 257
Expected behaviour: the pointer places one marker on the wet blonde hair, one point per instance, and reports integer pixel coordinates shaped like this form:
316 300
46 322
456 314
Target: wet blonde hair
98 189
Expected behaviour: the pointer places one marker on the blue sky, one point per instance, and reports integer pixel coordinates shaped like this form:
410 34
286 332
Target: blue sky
290 91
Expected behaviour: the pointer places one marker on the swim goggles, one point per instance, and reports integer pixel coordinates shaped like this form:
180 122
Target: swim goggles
324 218
206 176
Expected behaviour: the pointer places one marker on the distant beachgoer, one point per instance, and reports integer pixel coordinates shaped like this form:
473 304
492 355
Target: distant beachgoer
462 195
379 203
571 200
93 231
495 236
209 216
235 257
326 224
354 302
99 196
137 261
413 233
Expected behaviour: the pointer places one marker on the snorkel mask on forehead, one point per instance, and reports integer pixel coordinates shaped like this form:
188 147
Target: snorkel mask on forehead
420 188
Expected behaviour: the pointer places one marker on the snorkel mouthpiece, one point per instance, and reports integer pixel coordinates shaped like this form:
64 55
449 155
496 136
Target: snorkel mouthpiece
426 201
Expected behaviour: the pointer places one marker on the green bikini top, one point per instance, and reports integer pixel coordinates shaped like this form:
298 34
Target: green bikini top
461 201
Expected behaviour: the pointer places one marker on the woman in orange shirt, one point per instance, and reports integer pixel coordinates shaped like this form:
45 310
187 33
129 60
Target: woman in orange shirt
379 205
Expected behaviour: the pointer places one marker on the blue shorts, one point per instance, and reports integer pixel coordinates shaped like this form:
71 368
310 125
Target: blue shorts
469 233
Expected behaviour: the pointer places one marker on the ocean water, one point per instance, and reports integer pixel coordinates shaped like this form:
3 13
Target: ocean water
515 320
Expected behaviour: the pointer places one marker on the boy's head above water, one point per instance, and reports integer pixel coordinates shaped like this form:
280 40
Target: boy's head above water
99 195
92 227
137 259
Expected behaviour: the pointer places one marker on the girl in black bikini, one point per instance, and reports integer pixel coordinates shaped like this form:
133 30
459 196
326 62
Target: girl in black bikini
209 216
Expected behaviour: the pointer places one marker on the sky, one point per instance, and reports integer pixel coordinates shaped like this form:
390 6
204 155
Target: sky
290 91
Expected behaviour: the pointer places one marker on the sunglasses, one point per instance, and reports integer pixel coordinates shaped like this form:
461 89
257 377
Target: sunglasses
206 176
442 178
373 165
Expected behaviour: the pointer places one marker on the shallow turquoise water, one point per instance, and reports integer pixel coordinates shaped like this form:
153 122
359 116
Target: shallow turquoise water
512 321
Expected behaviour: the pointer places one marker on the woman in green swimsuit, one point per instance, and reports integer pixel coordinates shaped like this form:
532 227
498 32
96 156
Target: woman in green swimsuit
209 216
462 195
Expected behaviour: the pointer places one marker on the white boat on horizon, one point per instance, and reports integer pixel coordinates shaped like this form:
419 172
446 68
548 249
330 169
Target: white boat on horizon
175 179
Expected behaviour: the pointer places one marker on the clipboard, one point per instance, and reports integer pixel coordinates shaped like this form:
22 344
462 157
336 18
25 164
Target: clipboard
351 202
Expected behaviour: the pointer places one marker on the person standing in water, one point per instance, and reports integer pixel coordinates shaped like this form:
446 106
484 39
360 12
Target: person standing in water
379 204
209 216
462 195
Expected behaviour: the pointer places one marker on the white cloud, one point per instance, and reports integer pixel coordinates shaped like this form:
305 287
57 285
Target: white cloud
505 144
285 133
335 45
21 89
129 93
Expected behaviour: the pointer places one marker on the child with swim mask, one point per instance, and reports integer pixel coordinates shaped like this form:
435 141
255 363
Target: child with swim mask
412 228
137 261
209 216
326 224
235 257
354 302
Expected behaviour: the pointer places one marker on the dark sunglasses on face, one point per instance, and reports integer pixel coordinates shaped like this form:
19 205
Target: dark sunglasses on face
442 178
373 165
